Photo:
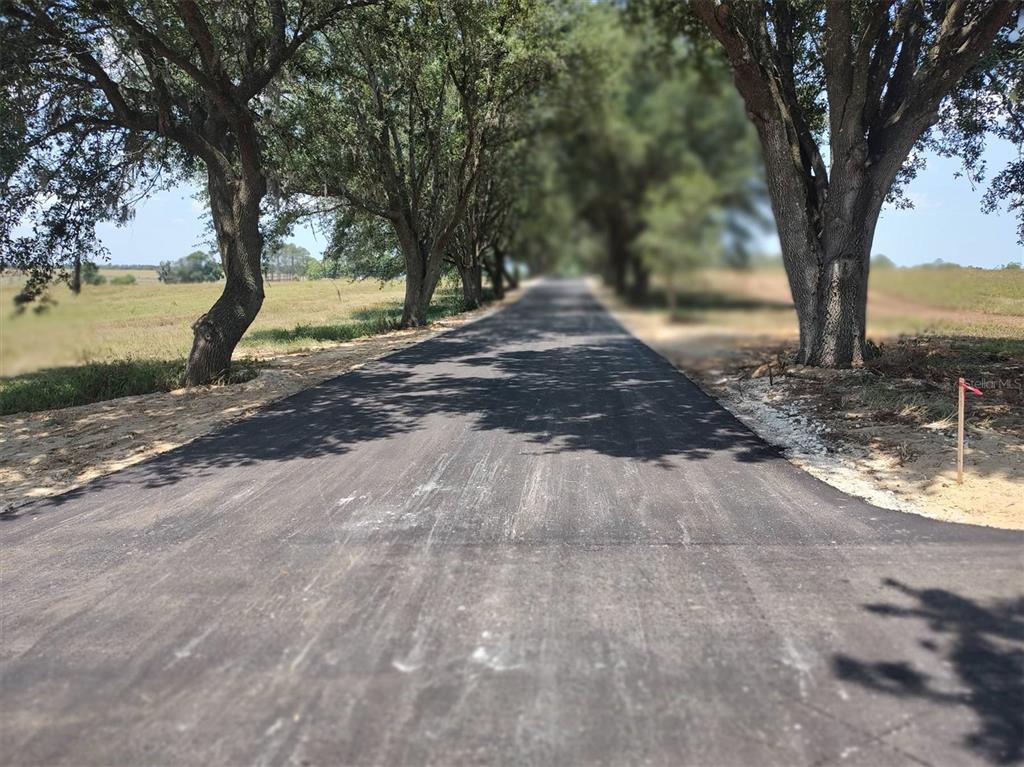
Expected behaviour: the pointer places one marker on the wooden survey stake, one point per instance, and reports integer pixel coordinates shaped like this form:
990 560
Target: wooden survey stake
962 388
960 432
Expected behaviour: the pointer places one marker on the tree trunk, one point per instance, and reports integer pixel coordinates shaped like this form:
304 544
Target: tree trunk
472 293
841 313
640 285
620 258
235 205
497 274
422 273
830 291
76 275
848 230
826 254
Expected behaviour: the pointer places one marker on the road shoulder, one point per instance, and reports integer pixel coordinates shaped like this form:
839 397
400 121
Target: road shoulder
892 463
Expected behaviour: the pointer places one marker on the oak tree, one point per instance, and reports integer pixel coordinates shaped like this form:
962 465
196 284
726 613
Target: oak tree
841 93
398 118
102 99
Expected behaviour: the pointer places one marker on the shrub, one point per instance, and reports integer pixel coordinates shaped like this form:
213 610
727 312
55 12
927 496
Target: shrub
197 266
124 279
91 274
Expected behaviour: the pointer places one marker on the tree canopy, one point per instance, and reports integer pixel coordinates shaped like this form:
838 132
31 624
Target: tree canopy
869 80
466 136
103 101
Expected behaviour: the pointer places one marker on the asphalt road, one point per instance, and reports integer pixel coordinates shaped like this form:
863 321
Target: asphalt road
528 541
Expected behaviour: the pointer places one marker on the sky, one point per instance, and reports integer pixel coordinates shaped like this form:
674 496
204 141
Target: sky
945 223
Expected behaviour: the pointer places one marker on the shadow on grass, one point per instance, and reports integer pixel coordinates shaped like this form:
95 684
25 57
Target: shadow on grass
984 647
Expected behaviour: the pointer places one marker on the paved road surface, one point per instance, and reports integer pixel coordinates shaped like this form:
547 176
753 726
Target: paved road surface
530 541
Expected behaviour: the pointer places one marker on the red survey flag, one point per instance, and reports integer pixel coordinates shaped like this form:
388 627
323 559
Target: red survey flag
971 389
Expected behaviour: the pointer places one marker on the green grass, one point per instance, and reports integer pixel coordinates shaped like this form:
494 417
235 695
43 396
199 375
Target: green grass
990 291
118 340
364 322
96 381
150 320
82 384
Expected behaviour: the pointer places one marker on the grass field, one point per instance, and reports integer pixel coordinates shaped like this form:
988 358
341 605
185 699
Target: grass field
115 340
974 303
150 320
989 291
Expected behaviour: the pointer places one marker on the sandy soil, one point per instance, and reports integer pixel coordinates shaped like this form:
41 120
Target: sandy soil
892 461
51 452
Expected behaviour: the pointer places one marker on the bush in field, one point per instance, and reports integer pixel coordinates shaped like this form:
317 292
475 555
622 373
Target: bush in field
197 266
882 261
124 279
939 263
91 274
286 261
328 269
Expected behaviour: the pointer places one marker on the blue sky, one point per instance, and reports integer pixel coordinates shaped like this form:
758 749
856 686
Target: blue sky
946 223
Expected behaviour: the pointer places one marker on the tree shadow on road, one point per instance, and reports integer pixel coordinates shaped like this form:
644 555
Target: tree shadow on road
985 647
555 369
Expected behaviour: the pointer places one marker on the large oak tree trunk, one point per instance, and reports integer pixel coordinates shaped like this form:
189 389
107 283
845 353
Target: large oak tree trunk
497 274
235 205
640 284
850 216
472 287
827 255
832 317
422 273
